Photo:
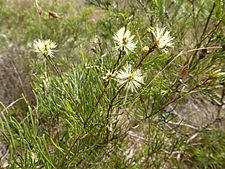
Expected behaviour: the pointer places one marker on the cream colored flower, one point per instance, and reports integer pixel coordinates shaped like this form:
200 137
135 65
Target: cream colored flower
131 79
45 47
124 40
162 38
109 76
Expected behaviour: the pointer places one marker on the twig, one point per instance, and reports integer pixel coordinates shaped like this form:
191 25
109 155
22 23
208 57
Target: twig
183 124
221 101
104 90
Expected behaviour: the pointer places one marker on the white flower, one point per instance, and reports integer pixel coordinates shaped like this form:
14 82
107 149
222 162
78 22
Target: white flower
124 41
131 79
45 47
162 38
109 76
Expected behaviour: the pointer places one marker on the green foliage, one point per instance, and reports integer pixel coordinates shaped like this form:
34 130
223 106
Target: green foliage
83 117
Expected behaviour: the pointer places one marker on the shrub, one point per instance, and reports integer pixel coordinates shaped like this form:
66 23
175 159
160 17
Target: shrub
109 93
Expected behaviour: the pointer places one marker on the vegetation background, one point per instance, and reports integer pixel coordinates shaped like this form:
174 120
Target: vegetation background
60 113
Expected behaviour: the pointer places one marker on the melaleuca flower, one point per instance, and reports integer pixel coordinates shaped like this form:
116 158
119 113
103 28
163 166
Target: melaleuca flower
45 47
124 40
162 38
131 79
109 76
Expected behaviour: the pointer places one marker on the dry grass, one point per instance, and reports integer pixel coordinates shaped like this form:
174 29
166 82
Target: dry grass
15 76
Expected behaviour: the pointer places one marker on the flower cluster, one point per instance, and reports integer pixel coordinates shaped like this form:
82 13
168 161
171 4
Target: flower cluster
133 79
124 41
45 47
